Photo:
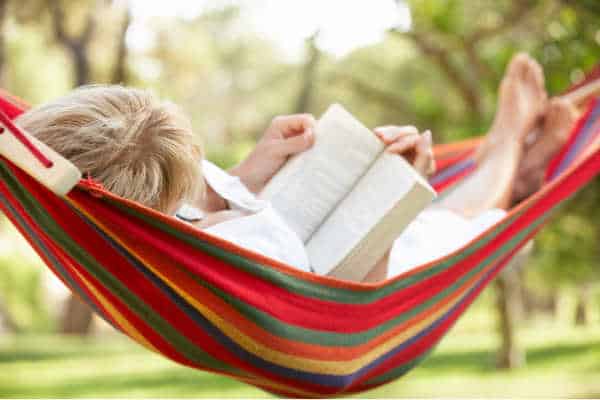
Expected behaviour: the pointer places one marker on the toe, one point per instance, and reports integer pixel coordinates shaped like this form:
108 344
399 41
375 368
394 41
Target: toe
538 73
533 74
560 115
516 66
552 112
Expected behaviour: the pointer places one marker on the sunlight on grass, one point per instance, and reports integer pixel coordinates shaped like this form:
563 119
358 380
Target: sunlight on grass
562 362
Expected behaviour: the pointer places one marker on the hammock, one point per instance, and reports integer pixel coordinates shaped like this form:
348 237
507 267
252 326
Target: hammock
208 304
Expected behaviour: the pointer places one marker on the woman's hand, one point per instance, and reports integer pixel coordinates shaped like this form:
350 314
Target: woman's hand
286 136
407 142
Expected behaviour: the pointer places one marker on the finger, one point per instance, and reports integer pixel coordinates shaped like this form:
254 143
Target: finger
293 125
389 133
295 144
424 159
403 144
423 155
432 166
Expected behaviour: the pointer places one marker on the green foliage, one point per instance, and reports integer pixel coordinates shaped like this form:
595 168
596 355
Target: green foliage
567 251
21 291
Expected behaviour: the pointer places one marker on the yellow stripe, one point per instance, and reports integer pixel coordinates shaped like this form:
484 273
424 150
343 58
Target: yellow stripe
311 365
283 359
118 317
138 337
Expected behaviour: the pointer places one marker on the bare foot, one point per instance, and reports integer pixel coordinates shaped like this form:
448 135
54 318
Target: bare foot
559 119
522 100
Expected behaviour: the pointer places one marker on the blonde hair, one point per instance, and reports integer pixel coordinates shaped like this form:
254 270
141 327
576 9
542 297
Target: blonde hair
136 146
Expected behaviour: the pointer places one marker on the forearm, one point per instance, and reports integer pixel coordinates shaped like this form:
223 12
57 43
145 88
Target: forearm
250 177
379 272
212 202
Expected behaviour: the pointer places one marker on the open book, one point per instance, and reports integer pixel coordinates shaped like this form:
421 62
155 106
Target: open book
346 198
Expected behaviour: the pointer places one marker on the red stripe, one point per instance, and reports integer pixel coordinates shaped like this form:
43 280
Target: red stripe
146 331
556 161
284 305
292 308
140 286
443 163
440 187
545 204
432 338
11 105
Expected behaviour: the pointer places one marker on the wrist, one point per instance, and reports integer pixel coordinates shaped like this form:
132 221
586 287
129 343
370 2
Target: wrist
245 171
213 202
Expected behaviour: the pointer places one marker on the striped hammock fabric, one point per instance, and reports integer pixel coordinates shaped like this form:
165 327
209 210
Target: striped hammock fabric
208 304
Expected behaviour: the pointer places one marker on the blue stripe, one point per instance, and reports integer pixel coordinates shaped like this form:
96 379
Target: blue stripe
50 256
452 171
583 137
325 380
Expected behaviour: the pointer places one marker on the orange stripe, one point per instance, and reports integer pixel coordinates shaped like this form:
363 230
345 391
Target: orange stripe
448 149
117 317
182 281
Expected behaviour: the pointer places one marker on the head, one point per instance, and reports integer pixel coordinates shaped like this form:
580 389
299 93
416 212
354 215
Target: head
136 146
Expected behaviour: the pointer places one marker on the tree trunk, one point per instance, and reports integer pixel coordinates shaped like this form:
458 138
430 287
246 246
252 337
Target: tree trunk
2 41
119 75
534 302
82 65
77 46
510 354
582 316
6 320
510 309
77 318
309 75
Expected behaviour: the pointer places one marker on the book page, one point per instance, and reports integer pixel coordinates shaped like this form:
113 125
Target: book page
385 187
311 185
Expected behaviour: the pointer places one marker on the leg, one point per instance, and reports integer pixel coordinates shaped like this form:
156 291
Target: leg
521 103
380 271
559 119
522 98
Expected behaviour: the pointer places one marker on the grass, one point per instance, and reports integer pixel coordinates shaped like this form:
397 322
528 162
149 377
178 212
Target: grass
562 361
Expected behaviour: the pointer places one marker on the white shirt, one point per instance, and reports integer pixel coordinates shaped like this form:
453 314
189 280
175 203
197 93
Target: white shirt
264 231
434 233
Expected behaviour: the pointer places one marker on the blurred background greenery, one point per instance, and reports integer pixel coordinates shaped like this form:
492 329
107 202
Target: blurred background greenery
232 66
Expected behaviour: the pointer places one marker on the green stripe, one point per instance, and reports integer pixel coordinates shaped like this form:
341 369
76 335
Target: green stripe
146 313
308 288
292 332
324 338
50 257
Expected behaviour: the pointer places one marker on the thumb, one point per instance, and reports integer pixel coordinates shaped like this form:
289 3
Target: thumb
296 144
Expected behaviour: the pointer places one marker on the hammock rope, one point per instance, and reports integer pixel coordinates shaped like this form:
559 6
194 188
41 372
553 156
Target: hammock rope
208 304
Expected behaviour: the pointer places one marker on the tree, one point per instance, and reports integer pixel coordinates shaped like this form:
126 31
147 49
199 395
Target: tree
78 317
3 7
119 74
568 252
309 72
77 45
510 308
6 320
